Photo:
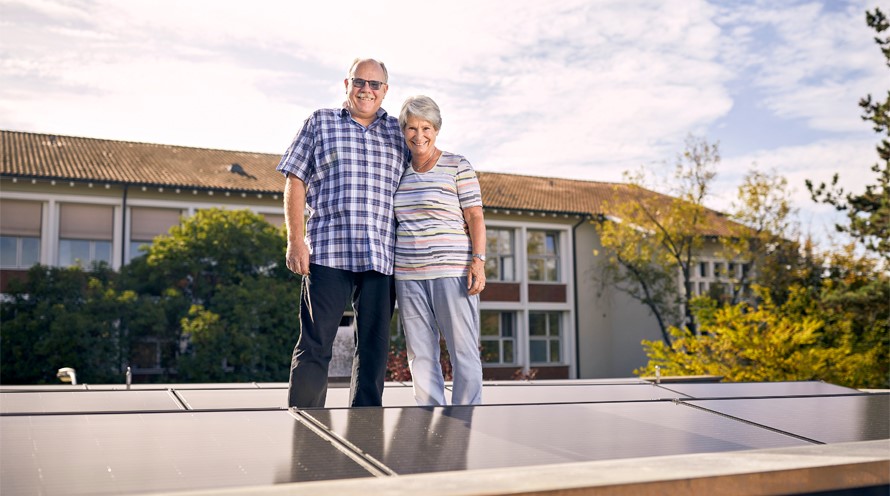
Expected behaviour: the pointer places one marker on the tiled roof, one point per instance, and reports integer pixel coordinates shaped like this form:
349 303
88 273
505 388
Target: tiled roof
45 156
64 157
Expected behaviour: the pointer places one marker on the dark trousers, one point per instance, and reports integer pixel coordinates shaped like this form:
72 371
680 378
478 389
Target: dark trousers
372 295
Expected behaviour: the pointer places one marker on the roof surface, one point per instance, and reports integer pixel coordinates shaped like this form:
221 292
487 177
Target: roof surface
47 156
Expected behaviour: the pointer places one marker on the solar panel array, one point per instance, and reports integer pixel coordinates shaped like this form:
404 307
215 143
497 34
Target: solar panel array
108 440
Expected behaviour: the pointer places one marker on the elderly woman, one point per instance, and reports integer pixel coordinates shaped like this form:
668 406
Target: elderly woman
439 263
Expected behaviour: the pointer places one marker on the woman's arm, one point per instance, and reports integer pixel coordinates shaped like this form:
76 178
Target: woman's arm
476 223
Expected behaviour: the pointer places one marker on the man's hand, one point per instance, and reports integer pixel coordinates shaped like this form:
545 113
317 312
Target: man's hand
297 257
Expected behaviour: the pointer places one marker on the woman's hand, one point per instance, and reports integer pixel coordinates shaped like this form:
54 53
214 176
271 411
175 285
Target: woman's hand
476 277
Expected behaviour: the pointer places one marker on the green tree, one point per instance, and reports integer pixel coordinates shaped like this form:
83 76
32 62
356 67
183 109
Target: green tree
62 317
214 248
868 213
241 320
212 293
650 239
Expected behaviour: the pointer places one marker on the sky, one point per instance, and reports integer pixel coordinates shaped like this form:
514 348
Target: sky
576 89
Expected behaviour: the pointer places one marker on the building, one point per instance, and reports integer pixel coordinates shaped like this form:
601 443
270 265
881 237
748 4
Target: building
69 200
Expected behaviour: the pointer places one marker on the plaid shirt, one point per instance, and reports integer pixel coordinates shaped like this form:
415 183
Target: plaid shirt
352 173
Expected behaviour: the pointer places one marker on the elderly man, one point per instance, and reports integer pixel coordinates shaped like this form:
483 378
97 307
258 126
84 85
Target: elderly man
345 164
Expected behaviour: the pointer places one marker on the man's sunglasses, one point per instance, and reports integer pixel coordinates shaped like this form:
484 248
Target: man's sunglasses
360 83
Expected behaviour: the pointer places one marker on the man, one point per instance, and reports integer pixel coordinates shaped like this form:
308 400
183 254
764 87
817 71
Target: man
345 164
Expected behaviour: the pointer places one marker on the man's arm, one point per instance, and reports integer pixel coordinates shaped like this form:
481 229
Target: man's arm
297 258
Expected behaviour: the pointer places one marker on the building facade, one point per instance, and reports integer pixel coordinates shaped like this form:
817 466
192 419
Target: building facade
72 201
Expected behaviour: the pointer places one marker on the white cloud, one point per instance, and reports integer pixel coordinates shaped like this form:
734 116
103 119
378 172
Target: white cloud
571 89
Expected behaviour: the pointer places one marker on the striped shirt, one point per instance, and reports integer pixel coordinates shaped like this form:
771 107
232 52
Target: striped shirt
352 172
431 241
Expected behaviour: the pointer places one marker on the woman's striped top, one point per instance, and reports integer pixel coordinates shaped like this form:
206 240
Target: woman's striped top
431 241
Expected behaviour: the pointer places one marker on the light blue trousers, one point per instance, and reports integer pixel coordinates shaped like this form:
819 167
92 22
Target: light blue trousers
437 307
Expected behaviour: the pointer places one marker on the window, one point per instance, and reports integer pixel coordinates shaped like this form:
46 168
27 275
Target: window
499 258
85 233
498 337
544 337
703 269
146 224
19 233
543 256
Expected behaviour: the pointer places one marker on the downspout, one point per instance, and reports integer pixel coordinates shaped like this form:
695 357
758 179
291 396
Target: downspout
575 285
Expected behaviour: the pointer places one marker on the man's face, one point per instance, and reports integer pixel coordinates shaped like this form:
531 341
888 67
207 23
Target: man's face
364 102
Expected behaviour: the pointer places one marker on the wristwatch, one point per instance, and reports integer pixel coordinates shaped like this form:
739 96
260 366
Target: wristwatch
479 256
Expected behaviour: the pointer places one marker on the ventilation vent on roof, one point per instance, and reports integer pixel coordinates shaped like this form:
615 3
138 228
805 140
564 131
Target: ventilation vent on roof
236 169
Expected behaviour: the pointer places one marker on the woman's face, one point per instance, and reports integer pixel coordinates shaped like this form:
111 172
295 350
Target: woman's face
420 136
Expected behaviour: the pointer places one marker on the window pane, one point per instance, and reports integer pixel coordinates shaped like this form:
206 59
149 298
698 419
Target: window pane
537 325
505 242
552 274
703 269
491 352
551 244
538 351
491 268
554 323
535 270
507 324
508 272
535 243
489 324
508 351
74 252
491 242
554 352
8 251
139 248
30 251
103 251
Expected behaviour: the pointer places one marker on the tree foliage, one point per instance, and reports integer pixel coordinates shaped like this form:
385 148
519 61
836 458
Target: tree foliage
762 239
651 238
868 213
211 294
812 336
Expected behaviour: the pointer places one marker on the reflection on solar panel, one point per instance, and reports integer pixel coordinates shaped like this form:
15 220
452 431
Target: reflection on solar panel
752 389
579 393
87 401
119 454
105 441
417 440
826 419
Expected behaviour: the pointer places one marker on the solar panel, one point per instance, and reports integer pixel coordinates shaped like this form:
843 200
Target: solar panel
86 401
417 440
121 453
577 393
753 389
216 399
827 419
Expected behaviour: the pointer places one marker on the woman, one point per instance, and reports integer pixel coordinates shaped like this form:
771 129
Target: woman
439 263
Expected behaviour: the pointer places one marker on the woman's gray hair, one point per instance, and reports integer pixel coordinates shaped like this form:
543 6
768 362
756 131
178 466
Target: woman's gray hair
422 107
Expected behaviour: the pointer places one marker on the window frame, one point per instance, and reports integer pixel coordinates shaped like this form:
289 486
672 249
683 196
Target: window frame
552 341
556 257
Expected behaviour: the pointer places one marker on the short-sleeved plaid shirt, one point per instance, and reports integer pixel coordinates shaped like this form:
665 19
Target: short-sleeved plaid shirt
352 173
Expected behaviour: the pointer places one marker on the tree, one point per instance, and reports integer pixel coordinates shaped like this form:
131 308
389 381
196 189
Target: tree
62 317
212 293
868 213
241 321
798 340
651 238
762 240
213 248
